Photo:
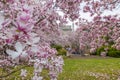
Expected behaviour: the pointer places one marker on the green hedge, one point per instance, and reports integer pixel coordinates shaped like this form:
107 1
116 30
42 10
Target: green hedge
99 50
60 50
57 47
112 52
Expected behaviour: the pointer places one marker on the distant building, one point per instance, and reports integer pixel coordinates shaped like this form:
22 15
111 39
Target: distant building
66 29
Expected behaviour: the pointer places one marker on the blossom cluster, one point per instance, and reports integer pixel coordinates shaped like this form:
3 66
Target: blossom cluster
24 24
103 31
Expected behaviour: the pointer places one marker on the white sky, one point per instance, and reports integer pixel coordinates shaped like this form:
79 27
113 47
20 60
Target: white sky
82 15
1 19
89 18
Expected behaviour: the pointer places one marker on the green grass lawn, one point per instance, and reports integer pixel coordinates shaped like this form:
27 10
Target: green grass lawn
87 69
91 69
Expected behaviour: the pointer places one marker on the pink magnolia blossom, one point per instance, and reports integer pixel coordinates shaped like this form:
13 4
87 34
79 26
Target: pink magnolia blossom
23 73
27 27
92 50
19 51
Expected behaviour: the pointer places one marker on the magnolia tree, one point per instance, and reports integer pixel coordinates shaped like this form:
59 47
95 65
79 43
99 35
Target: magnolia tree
22 32
25 24
103 31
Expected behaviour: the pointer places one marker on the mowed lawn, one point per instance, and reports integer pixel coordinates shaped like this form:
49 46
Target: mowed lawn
91 69
84 69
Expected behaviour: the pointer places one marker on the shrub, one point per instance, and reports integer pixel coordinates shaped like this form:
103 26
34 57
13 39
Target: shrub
114 53
57 47
112 49
99 50
62 52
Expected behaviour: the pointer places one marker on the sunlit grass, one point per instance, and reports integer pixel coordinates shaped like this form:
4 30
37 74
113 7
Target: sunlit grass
91 69
82 69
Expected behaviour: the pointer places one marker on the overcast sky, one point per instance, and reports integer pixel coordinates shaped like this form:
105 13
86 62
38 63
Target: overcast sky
89 18
82 15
